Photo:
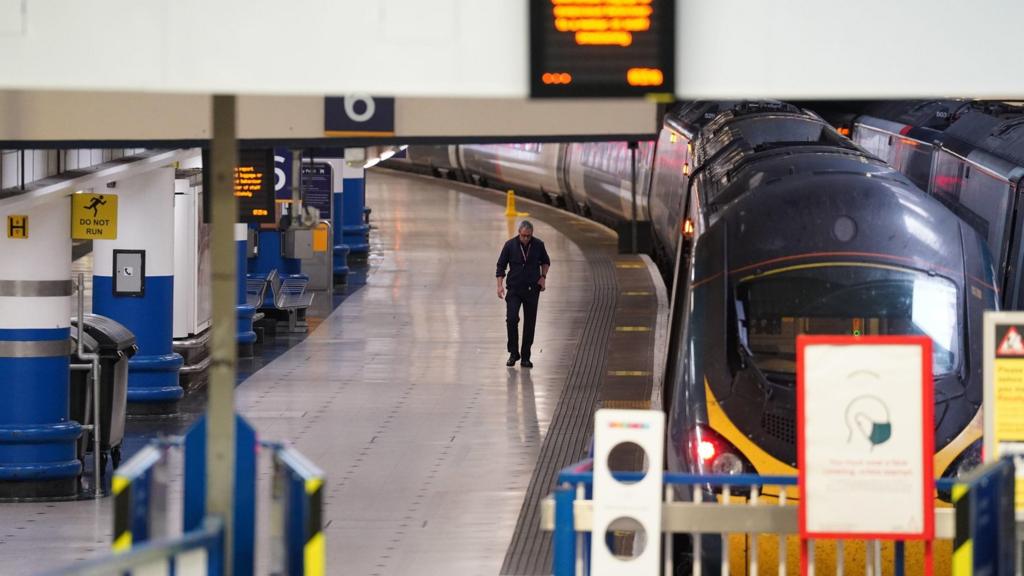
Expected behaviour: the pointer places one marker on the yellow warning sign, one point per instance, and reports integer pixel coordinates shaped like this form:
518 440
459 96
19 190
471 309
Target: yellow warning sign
94 216
17 226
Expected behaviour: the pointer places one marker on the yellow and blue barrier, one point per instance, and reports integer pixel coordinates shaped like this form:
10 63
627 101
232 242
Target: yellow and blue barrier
297 496
140 498
985 521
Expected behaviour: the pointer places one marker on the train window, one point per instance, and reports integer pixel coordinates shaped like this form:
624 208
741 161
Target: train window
873 141
948 178
855 298
914 159
987 198
769 130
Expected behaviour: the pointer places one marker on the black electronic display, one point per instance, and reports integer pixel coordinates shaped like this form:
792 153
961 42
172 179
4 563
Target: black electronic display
254 186
602 48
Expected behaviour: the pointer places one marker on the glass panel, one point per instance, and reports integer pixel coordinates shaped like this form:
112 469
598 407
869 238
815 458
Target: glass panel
948 178
872 141
845 299
668 175
914 160
986 198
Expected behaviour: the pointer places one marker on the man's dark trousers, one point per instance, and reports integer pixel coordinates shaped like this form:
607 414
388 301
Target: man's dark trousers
528 300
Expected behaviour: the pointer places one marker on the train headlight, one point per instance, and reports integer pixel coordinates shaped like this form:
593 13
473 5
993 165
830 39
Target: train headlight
728 463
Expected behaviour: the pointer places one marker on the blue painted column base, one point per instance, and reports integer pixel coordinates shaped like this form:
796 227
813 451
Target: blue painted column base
40 461
38 449
245 334
341 262
356 238
154 384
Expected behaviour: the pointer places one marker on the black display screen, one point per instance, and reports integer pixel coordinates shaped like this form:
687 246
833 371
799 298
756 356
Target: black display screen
254 186
601 48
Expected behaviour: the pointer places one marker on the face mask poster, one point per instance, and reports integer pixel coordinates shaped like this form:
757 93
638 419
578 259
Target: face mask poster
865 440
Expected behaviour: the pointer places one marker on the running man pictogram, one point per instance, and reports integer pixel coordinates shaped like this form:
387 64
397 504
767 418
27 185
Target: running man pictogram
95 204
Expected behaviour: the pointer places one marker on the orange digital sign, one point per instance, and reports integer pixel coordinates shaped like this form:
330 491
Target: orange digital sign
254 186
248 181
601 48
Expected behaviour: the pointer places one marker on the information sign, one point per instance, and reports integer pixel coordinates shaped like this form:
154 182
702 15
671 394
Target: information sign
254 186
1004 391
317 182
94 216
865 441
602 48
17 226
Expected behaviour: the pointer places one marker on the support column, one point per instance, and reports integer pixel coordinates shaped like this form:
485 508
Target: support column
146 223
356 231
341 250
246 335
37 439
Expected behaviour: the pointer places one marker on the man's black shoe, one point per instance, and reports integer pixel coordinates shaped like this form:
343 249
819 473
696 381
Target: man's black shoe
512 358
526 364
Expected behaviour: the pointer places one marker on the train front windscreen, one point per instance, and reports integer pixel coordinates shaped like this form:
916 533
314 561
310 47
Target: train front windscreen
855 298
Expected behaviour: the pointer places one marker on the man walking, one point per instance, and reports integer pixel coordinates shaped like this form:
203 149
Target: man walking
527 263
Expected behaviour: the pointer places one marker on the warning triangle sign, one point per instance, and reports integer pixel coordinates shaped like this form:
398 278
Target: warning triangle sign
1012 344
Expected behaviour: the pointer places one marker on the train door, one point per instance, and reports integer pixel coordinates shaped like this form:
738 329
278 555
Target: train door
1012 295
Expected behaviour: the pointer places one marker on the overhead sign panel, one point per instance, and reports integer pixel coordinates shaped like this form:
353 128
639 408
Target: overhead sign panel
602 48
359 115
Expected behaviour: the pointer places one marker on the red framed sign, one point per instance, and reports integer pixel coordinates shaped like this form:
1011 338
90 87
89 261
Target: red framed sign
865 438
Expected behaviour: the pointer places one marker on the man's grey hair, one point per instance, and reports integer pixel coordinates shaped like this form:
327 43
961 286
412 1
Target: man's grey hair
526 224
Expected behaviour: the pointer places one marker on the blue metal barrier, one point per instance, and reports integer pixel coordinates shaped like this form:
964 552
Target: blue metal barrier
199 552
297 515
574 484
140 498
986 525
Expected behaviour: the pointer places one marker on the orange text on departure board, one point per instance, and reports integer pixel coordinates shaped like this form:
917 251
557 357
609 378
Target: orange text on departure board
602 22
248 181
556 78
645 77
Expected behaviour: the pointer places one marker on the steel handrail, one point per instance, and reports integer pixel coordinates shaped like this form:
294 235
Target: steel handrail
209 536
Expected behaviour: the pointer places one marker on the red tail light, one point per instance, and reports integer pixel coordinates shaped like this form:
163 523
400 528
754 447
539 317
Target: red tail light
715 455
706 450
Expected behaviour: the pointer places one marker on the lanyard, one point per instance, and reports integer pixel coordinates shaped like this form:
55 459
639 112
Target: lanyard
525 253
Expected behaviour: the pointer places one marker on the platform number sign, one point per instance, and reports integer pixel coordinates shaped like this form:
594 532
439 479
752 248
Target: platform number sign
359 115
17 226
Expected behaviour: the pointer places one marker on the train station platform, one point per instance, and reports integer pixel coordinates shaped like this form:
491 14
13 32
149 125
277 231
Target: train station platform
436 454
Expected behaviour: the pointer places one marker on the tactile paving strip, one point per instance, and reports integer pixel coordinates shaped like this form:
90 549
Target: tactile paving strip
567 440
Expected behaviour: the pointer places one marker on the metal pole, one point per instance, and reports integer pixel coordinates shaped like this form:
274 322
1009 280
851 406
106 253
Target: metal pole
632 181
296 207
220 408
94 374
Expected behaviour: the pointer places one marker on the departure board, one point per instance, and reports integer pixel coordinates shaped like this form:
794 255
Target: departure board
254 186
601 48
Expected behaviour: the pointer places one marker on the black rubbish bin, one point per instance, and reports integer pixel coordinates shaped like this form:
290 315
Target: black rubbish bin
115 344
